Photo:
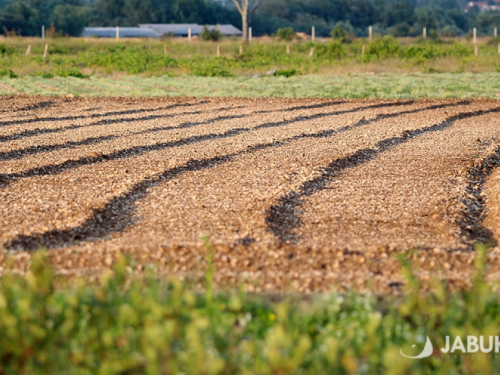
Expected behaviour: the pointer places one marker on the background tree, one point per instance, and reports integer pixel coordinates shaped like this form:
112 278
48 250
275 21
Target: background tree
69 19
242 6
399 17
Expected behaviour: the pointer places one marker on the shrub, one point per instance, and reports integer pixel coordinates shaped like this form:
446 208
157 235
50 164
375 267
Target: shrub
207 70
286 33
383 48
6 50
286 72
434 37
213 34
8 72
331 51
340 34
72 73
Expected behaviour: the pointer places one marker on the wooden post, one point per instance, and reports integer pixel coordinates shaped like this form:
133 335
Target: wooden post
499 48
249 34
43 31
370 33
288 49
117 32
28 51
475 49
424 33
218 51
46 51
313 34
495 33
474 35
165 49
189 35
311 52
241 49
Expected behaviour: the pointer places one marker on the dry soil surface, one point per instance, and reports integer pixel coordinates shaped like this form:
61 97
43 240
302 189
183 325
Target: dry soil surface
294 194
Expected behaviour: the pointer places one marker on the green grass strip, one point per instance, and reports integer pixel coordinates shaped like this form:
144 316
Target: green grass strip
379 86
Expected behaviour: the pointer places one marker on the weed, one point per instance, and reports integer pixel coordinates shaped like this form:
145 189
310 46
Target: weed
210 34
286 72
200 58
286 33
126 324
8 72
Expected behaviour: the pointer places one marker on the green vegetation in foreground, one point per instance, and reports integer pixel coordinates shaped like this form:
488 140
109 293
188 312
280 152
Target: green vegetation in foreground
382 86
126 325
83 57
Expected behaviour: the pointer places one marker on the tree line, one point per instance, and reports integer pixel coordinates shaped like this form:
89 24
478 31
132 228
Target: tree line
397 17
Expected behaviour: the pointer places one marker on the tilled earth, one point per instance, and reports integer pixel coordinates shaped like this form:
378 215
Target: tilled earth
295 194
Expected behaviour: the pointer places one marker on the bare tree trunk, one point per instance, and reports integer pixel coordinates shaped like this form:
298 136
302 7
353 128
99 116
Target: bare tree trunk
244 25
242 6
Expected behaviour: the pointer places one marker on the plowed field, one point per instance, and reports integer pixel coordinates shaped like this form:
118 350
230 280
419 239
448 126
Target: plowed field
295 194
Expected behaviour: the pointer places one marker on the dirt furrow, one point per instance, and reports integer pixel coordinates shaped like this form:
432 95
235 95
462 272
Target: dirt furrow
303 195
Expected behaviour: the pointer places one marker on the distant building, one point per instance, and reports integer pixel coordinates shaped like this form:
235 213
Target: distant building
483 6
157 30
182 30
124 32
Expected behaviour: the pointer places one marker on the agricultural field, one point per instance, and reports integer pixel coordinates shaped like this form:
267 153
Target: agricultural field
295 194
165 210
235 235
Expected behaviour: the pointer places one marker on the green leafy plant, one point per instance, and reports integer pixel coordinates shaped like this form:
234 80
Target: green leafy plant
286 33
286 72
340 34
212 34
8 72
135 325
211 71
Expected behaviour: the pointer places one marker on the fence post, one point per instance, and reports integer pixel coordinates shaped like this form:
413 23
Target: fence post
43 31
495 32
474 35
117 32
218 51
475 49
288 49
46 51
311 52
189 35
313 34
499 48
249 34
28 51
424 33
370 33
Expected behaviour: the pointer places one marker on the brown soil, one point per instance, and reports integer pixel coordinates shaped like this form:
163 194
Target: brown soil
295 194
